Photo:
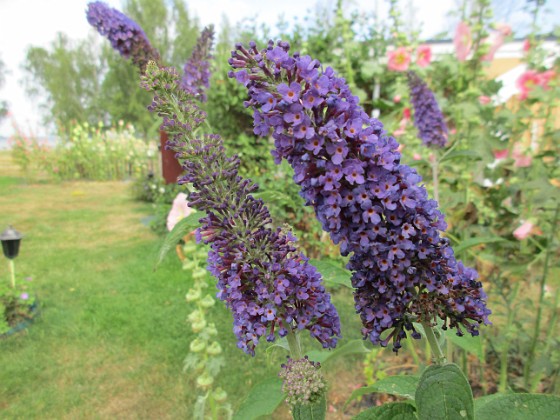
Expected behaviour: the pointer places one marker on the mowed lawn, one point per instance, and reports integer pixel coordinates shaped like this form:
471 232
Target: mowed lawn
112 334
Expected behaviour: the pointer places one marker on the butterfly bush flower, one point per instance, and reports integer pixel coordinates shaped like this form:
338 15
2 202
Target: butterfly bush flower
270 287
428 118
196 76
349 170
125 35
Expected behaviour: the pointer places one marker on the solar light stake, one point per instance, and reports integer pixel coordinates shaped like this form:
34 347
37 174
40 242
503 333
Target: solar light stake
11 239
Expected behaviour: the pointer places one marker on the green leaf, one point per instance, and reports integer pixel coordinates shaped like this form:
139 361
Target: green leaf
444 393
390 411
467 342
352 347
261 401
469 243
460 154
183 227
517 407
332 272
402 386
315 411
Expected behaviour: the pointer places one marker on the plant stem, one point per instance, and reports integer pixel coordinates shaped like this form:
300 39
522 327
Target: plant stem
531 357
502 387
13 273
293 343
439 357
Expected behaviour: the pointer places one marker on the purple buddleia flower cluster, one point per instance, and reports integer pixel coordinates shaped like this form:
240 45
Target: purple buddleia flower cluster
196 77
428 119
269 286
125 35
349 170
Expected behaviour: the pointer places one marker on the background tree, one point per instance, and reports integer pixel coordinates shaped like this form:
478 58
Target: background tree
3 104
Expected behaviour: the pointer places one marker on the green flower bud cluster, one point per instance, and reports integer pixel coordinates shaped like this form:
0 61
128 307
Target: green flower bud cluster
303 383
204 360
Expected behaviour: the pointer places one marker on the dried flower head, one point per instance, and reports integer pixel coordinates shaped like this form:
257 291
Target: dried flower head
303 383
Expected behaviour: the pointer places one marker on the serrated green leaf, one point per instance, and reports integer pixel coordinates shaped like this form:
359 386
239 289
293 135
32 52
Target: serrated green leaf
333 273
315 411
261 401
517 407
352 347
467 342
402 386
444 393
390 411
183 227
469 243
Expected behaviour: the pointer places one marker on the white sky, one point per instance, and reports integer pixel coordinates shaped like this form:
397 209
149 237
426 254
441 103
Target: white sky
35 22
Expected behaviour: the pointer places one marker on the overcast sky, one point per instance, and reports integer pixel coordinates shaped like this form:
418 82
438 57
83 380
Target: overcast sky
35 22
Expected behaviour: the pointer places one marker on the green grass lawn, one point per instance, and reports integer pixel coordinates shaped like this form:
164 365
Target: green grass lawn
112 334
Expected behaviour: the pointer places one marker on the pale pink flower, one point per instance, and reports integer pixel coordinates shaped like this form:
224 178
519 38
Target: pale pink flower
495 40
24 296
423 55
399 60
526 45
416 156
179 210
520 159
525 230
397 99
484 100
462 41
545 78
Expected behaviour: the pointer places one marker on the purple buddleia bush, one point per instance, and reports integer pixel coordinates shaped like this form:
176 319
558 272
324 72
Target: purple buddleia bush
349 170
196 76
428 119
269 286
125 35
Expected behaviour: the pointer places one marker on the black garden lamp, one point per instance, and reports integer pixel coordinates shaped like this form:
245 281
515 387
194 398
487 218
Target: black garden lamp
11 239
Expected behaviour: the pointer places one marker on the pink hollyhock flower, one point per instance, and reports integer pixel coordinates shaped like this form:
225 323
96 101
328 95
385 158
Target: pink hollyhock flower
525 230
423 55
545 78
399 60
527 82
179 210
520 160
496 40
484 100
406 113
462 41
397 99
501 154
526 45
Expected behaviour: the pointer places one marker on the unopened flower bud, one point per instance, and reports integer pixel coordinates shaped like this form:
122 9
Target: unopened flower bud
192 295
204 381
197 345
207 302
214 349
219 395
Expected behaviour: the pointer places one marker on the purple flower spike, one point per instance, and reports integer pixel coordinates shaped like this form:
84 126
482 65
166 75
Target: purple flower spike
125 35
196 77
373 206
268 285
428 118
